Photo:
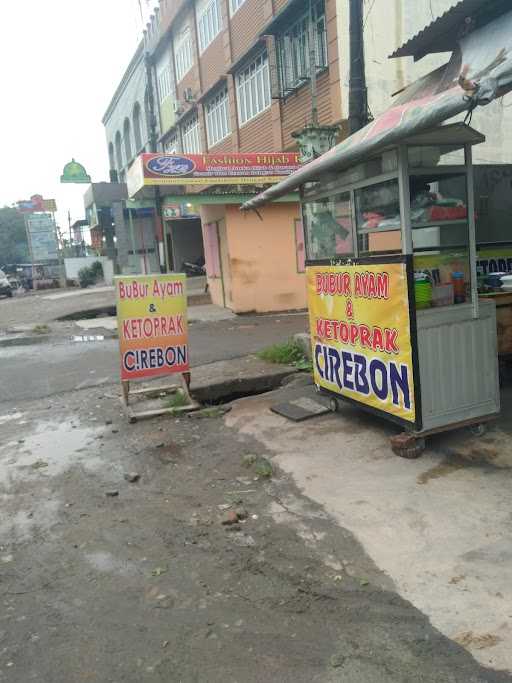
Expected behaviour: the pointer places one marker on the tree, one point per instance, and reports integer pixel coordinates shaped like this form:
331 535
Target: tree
13 237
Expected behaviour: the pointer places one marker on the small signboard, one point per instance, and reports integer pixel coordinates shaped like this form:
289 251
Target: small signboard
210 169
152 325
37 203
42 237
361 335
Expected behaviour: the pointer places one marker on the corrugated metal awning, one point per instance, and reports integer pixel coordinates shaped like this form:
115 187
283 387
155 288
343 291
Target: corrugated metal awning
479 72
444 32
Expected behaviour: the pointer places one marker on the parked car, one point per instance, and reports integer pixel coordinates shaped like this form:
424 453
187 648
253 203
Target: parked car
5 285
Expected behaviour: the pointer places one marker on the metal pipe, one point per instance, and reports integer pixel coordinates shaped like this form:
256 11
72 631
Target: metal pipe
405 200
472 228
312 67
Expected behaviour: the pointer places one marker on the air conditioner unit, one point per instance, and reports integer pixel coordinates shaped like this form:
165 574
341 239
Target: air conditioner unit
188 95
178 107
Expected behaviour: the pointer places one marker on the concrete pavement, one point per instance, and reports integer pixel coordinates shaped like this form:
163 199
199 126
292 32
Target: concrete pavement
439 527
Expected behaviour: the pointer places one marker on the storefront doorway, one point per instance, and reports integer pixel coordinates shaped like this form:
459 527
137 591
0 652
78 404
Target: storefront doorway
185 245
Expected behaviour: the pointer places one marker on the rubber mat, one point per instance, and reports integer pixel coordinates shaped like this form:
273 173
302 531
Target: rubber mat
300 409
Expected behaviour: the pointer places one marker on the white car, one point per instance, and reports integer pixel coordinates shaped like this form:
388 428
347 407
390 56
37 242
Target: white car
5 285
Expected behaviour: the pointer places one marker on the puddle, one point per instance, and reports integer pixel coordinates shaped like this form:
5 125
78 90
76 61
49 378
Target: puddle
50 450
105 323
88 338
11 417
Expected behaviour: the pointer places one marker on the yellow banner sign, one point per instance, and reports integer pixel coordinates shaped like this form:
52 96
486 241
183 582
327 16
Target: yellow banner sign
152 325
361 335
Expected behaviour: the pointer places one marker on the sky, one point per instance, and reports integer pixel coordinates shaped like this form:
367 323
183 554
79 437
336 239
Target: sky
61 61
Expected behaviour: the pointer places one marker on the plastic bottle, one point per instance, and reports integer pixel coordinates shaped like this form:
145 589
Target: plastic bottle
459 287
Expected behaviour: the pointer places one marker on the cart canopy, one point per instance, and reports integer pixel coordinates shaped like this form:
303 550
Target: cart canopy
479 71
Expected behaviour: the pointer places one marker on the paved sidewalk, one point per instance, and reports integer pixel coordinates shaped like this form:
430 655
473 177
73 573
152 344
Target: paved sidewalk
41 308
439 526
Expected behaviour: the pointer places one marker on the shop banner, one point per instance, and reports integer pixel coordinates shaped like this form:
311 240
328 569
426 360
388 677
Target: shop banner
152 325
361 335
210 169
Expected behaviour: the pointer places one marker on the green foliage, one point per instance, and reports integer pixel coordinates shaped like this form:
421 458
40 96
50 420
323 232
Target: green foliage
90 275
41 329
289 353
177 400
97 269
13 237
261 466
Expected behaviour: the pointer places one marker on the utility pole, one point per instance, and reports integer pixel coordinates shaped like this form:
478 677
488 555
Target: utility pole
153 143
358 94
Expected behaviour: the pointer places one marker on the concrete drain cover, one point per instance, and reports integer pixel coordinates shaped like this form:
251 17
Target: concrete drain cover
301 409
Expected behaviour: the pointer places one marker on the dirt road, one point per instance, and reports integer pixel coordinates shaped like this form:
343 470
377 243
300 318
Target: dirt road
106 581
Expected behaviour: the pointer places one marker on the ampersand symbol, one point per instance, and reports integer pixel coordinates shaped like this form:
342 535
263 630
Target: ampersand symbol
350 309
152 308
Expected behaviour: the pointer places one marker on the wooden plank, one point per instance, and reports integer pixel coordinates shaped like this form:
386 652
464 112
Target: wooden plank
134 416
184 385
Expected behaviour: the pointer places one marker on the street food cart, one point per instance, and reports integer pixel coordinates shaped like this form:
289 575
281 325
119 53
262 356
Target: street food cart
397 326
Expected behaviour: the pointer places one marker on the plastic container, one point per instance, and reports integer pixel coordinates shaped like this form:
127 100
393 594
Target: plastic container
422 290
459 288
493 280
442 295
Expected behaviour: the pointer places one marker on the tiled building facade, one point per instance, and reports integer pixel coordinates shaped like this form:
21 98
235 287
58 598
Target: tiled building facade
234 76
238 72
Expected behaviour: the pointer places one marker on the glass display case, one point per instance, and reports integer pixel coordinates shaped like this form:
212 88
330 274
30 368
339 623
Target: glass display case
413 200
412 205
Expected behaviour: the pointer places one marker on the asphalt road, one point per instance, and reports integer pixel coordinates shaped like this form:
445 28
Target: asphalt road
46 369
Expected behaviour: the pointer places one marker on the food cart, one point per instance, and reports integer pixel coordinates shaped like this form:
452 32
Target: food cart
397 326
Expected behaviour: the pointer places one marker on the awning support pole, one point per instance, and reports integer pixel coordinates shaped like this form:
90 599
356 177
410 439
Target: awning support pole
405 200
472 228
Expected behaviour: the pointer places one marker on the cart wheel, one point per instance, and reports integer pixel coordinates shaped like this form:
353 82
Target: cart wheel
317 388
478 430
333 405
407 446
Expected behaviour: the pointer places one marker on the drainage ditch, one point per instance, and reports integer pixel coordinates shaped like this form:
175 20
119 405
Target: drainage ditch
100 312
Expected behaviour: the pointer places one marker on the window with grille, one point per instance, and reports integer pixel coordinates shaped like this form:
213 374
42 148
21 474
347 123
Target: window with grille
253 89
191 136
164 82
235 4
171 145
293 49
217 118
209 22
183 56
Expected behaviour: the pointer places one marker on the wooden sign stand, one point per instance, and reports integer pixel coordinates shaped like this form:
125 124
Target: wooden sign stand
183 386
